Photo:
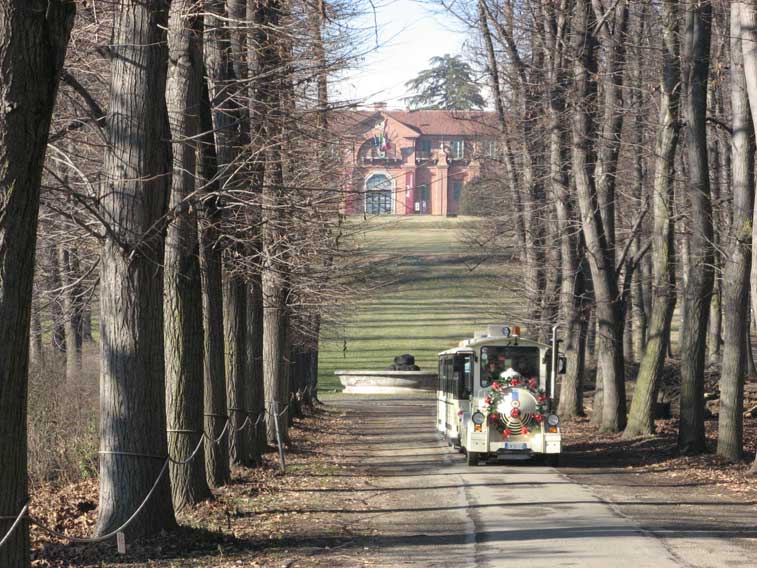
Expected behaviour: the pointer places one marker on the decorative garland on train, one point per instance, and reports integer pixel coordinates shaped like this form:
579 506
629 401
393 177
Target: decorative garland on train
515 420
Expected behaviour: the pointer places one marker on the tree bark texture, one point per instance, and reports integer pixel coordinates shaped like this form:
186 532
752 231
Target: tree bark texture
641 416
134 195
183 285
33 41
698 289
738 261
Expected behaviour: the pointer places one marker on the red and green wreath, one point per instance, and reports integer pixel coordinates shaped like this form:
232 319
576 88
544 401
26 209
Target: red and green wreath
517 422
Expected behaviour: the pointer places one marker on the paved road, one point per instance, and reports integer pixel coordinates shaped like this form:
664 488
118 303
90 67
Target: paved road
427 508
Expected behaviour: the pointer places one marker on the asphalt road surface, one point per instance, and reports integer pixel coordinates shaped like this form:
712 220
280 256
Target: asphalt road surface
425 507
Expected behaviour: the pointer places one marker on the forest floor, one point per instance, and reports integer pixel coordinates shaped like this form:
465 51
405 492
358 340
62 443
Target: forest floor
323 512
257 520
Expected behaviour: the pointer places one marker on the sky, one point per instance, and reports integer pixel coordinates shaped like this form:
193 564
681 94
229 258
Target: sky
409 34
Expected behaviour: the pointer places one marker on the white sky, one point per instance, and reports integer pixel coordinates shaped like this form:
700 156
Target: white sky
409 33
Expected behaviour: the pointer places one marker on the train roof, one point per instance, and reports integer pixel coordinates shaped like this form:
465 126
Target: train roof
493 335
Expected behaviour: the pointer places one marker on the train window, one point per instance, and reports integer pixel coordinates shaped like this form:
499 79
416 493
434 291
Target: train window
468 372
463 372
497 359
450 379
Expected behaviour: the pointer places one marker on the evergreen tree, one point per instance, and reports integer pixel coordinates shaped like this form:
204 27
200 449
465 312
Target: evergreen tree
446 85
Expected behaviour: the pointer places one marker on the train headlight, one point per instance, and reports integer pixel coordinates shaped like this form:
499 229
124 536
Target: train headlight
553 420
478 418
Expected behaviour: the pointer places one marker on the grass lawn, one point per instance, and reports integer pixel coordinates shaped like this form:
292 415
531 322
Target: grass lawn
429 296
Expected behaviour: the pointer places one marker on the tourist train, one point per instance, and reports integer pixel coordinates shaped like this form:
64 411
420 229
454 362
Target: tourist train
496 396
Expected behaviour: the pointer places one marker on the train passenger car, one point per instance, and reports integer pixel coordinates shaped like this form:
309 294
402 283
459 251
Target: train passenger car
454 392
496 396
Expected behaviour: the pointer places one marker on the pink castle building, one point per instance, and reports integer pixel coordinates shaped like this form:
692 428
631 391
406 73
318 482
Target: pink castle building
413 162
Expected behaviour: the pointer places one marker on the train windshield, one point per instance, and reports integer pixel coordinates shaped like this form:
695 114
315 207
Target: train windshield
495 360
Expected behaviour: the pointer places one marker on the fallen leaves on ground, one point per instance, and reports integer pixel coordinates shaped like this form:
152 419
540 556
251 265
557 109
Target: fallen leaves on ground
658 455
262 518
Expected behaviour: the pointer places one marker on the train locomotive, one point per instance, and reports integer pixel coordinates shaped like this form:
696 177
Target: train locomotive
496 396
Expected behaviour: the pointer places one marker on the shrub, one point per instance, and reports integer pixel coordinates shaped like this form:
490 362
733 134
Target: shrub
63 417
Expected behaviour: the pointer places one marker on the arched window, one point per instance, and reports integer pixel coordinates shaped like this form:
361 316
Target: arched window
378 195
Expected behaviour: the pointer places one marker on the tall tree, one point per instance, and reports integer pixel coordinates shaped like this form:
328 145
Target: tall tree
641 416
447 85
749 49
554 31
211 269
698 289
594 211
274 269
738 261
133 200
33 41
528 205
183 286
226 113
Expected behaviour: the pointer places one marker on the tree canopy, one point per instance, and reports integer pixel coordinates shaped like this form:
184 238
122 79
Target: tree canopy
447 85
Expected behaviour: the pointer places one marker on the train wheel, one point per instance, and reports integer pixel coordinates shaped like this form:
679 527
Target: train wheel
471 458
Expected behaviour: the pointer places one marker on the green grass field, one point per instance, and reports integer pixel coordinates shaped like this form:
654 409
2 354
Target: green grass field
429 296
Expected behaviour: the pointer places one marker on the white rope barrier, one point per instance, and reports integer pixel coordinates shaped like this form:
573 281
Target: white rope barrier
112 533
168 459
14 525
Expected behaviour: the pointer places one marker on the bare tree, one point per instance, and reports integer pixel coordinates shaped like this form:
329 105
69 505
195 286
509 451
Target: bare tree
211 269
133 200
599 244
183 286
641 416
33 48
698 289
738 261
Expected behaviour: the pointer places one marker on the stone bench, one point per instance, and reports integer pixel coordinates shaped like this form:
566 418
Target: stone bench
387 382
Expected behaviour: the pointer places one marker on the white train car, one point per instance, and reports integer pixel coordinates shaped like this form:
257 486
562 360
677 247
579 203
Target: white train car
496 396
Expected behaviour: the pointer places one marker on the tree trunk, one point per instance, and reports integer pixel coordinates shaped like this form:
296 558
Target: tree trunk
32 48
628 327
86 322
749 49
133 198
600 251
69 294
57 327
640 321
612 45
256 392
641 416
738 262
35 341
235 331
214 386
274 353
698 291
183 286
